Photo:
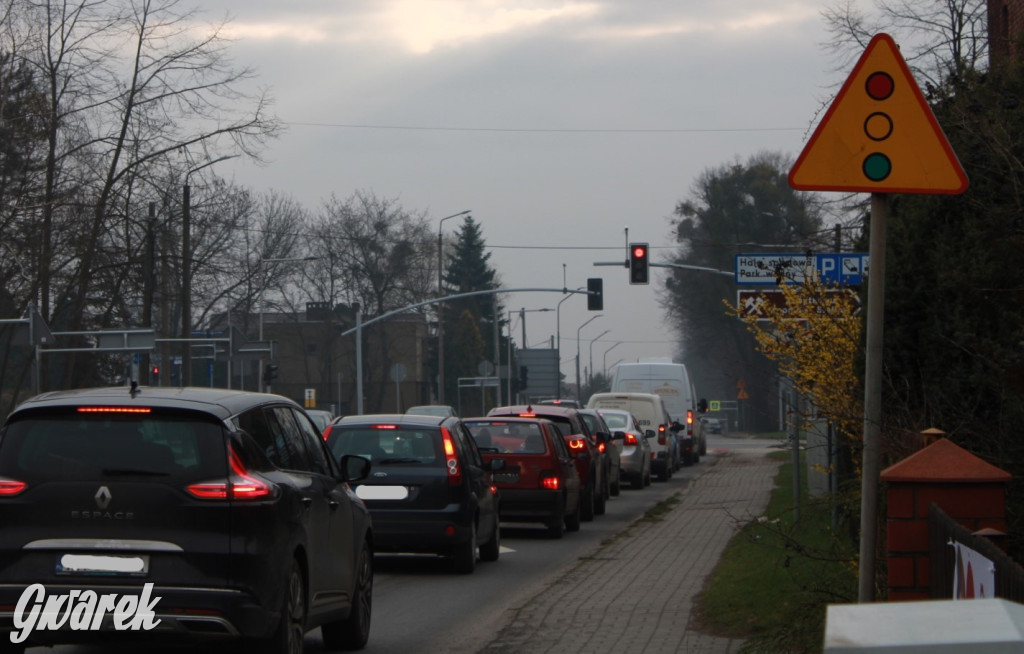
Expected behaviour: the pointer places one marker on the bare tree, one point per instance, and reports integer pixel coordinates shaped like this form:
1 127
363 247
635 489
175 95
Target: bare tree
137 96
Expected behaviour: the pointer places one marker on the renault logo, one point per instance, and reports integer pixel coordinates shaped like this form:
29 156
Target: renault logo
102 497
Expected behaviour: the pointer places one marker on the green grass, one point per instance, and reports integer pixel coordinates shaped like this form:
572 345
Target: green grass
776 577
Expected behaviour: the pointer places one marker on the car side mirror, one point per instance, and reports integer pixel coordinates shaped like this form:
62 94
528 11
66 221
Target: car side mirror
496 464
619 436
354 467
650 433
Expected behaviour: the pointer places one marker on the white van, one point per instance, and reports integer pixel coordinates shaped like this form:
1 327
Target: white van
672 382
652 415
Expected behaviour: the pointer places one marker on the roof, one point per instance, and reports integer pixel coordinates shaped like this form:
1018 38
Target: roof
219 402
944 461
405 419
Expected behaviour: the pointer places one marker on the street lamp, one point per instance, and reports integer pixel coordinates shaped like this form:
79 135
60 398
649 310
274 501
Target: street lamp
590 375
604 360
186 270
579 394
558 319
440 305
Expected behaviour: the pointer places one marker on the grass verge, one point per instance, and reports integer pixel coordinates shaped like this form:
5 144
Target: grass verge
778 574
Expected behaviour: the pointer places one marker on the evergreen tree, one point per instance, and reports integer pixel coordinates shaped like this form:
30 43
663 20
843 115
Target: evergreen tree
733 209
466 270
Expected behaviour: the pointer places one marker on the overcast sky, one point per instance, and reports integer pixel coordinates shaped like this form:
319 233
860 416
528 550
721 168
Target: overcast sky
559 123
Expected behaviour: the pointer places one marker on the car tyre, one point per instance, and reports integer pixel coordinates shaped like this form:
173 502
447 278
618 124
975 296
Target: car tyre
353 632
464 560
290 633
572 520
640 481
491 550
601 501
616 487
587 504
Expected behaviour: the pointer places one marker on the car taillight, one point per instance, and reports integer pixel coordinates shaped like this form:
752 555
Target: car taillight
239 486
114 409
689 422
630 439
601 447
661 434
550 482
577 444
11 487
327 431
451 459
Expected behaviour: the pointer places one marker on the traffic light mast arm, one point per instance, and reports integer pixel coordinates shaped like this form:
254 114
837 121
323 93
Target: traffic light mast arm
625 264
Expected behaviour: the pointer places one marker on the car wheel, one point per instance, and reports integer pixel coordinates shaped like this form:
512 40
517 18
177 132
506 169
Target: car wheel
616 487
291 626
601 501
572 520
640 481
587 504
464 560
353 632
491 550
556 524
647 477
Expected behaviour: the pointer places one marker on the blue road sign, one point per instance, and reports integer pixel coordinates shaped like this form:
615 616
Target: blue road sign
834 269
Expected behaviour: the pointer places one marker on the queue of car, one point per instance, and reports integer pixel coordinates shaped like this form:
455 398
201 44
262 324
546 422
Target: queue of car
151 492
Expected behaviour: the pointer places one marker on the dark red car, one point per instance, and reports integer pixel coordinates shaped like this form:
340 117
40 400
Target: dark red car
539 481
581 443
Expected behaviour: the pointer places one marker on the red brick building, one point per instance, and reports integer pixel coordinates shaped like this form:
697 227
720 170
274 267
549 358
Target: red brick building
1005 30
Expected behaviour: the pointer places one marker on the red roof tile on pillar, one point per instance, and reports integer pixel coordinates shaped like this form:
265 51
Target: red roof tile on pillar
944 461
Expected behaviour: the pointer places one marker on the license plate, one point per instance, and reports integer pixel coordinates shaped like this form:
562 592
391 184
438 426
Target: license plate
136 565
506 477
382 492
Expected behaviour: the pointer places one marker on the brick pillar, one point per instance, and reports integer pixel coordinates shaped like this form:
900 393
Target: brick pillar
968 489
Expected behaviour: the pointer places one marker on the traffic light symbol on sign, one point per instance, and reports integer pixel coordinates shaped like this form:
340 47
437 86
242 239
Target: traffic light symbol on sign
879 135
639 263
595 294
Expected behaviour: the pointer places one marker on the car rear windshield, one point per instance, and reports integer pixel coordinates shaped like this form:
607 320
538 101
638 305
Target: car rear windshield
72 446
388 444
616 420
508 437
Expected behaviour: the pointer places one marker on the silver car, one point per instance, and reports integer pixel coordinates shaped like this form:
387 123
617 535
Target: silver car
635 452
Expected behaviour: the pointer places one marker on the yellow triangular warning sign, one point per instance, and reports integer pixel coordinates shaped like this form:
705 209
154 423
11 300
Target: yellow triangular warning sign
879 135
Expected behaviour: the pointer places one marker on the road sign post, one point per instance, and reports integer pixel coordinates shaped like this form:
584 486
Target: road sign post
879 136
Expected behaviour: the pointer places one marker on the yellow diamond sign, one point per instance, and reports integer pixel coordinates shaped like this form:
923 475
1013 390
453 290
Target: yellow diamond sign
879 135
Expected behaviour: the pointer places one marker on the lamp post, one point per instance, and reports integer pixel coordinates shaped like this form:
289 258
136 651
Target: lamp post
604 360
590 375
579 393
440 306
186 270
558 320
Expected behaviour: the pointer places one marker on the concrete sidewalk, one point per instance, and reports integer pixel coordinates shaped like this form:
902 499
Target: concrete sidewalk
624 589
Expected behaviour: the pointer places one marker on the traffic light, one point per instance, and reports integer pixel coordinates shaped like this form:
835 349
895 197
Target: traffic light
595 294
523 370
269 373
639 263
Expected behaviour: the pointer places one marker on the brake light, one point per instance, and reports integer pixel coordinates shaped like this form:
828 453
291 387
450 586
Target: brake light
114 409
239 486
384 427
630 439
527 415
689 416
327 431
601 447
451 460
550 482
11 487
577 444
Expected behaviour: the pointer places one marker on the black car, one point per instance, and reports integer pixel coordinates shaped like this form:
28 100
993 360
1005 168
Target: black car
430 491
224 505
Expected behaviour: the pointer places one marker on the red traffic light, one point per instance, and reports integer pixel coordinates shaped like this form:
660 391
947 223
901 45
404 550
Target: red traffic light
639 263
